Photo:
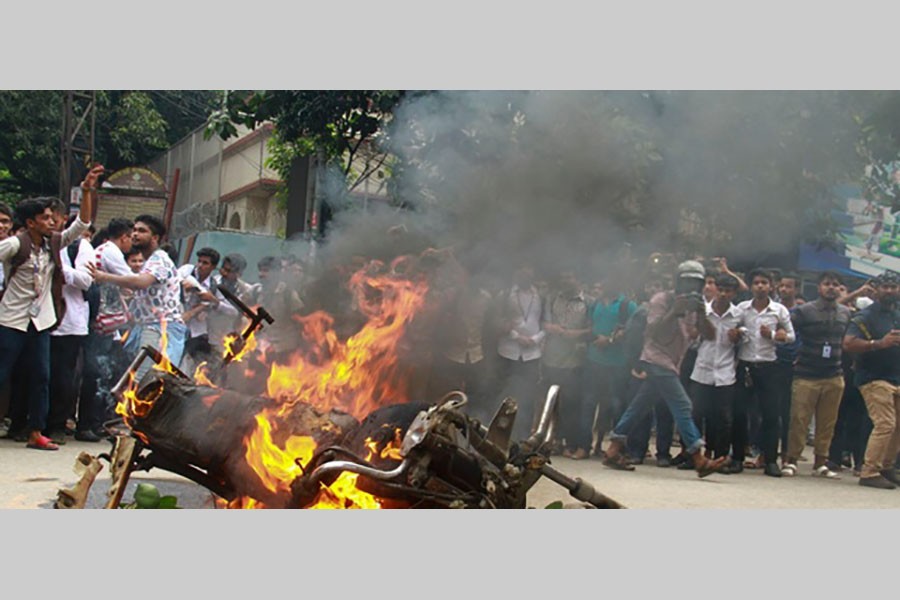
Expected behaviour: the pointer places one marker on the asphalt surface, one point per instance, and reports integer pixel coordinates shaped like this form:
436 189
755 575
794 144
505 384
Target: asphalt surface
31 478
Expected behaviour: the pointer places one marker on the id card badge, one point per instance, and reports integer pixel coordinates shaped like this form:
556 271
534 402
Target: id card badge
826 350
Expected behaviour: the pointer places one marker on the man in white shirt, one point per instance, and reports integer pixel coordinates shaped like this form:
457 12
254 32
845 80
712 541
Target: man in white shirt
713 377
157 298
228 320
765 323
104 357
66 343
32 301
202 300
520 346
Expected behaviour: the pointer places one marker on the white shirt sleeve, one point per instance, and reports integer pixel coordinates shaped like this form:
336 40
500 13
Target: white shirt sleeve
8 248
114 262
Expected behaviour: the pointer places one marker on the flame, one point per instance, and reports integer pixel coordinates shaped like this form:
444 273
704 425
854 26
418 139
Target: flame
165 365
356 375
277 467
361 374
201 375
124 337
237 348
130 406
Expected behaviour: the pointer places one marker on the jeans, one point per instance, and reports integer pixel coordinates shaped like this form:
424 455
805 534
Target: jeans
666 384
639 438
151 335
33 347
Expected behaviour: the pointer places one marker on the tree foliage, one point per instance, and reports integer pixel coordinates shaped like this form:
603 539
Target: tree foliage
132 127
338 123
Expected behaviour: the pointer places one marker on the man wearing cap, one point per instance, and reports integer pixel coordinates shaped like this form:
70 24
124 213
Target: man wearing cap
874 334
673 321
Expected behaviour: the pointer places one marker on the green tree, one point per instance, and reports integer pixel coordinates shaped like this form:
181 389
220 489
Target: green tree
132 128
340 124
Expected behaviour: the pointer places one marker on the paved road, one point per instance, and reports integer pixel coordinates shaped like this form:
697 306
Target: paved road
31 478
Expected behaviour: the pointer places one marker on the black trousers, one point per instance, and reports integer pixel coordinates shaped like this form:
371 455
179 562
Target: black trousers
448 376
762 388
104 363
853 426
199 349
520 380
713 414
783 374
576 413
64 384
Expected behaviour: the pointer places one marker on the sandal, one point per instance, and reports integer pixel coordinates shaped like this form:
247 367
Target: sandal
619 462
42 442
824 471
789 470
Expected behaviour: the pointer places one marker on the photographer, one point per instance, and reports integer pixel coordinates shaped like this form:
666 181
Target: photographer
673 320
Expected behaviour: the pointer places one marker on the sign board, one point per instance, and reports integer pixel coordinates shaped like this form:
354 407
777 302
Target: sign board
131 192
869 238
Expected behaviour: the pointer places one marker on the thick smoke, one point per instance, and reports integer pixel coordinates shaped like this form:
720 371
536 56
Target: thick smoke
581 179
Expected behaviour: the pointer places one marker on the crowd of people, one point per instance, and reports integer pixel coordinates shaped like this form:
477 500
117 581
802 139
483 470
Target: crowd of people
78 304
746 372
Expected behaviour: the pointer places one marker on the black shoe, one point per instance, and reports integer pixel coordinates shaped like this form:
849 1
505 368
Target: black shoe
877 482
736 467
891 475
772 470
680 459
58 436
16 434
686 465
664 462
87 436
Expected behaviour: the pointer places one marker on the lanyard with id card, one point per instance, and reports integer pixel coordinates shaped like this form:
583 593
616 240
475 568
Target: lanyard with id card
826 350
37 283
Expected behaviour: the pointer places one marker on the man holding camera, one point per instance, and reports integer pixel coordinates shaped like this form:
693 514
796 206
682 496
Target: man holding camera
874 334
673 321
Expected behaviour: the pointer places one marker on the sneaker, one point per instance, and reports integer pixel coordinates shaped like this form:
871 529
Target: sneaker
664 462
877 482
824 471
789 470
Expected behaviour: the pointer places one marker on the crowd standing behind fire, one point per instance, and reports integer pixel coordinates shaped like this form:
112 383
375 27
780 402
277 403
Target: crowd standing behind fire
748 373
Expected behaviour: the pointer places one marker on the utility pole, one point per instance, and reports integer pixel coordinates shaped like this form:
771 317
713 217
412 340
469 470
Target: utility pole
77 141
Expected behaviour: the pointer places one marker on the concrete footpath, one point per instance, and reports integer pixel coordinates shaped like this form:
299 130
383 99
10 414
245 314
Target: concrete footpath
31 478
